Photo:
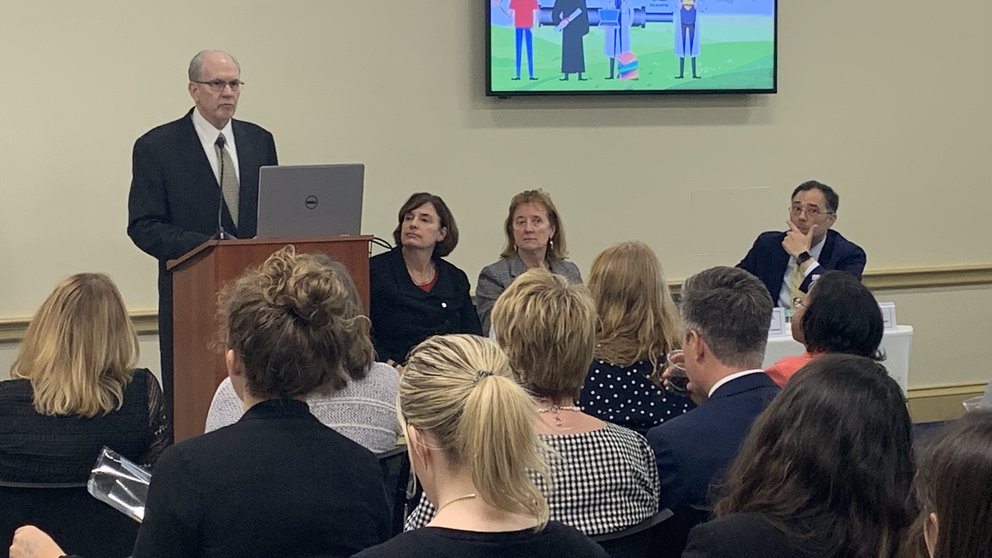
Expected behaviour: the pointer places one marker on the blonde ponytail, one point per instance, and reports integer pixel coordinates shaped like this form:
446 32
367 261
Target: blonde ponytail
460 389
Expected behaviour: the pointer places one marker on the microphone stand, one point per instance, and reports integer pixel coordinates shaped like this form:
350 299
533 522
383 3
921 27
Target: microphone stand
221 233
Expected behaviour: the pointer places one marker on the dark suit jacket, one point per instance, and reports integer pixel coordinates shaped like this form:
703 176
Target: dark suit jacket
276 483
747 534
174 198
403 315
695 449
767 260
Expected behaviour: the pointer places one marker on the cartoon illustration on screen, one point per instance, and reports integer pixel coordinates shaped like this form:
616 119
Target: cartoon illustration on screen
522 13
616 20
571 18
686 21
630 46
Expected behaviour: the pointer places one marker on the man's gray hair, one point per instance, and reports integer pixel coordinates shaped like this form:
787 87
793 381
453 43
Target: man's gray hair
731 310
196 64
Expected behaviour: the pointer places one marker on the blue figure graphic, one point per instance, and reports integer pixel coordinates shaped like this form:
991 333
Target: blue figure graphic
616 23
686 20
523 22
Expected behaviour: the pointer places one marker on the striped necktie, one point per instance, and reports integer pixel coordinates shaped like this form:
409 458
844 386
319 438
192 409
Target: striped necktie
229 177
797 281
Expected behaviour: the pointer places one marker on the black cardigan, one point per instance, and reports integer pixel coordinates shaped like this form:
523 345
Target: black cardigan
403 315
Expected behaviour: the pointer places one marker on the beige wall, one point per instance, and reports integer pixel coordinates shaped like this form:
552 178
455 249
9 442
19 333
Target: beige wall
873 104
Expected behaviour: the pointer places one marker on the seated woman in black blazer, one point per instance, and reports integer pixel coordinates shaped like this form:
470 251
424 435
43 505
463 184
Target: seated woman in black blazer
277 482
472 442
75 389
824 472
414 293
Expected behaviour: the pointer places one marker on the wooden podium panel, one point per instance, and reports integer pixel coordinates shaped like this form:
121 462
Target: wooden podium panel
197 277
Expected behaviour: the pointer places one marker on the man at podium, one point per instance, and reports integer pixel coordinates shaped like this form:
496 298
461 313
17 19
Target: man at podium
196 178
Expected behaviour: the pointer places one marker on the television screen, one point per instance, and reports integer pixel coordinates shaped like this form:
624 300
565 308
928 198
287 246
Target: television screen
551 47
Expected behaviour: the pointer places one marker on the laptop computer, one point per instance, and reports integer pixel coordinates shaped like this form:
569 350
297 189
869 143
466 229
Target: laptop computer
310 200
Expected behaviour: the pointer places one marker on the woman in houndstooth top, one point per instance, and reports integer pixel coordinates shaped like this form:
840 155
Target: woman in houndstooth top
604 476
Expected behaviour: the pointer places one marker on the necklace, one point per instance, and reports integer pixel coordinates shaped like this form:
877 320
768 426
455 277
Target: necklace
555 409
430 276
453 500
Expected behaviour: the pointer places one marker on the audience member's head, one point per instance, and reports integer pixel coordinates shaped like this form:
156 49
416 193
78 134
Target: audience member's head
360 355
953 489
839 315
547 327
725 317
637 318
432 213
465 416
524 207
79 349
830 460
291 328
814 203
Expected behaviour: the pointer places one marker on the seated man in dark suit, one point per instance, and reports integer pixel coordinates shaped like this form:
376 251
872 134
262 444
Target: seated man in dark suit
787 262
725 316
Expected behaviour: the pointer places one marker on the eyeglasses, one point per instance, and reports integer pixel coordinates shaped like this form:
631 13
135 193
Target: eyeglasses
219 84
809 210
797 303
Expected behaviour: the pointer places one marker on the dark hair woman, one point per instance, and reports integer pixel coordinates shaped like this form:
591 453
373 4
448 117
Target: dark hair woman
838 315
824 471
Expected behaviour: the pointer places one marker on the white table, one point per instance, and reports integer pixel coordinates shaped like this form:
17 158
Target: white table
896 344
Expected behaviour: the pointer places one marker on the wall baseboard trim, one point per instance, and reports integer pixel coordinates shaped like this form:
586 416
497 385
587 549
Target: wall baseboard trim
928 277
12 330
940 403
146 321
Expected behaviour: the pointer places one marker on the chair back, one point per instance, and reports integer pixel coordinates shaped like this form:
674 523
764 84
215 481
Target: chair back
395 465
636 541
80 523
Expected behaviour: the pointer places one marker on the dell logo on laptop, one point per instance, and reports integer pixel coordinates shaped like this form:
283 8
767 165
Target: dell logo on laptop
311 201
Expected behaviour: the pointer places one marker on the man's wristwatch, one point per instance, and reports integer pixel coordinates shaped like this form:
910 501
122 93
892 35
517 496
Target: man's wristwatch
801 258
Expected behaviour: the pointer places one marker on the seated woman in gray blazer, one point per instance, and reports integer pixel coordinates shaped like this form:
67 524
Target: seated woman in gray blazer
535 237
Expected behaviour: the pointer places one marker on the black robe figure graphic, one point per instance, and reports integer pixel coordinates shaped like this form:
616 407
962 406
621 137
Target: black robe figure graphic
572 56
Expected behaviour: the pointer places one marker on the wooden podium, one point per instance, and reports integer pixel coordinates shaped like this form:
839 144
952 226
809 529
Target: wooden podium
198 361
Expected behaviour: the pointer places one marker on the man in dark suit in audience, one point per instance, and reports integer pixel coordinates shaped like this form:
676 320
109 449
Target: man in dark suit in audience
725 316
176 190
787 262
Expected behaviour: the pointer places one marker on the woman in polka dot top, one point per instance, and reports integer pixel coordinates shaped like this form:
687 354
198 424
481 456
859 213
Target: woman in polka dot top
638 324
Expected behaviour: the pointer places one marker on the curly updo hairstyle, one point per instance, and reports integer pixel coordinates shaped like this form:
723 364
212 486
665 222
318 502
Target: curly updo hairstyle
294 324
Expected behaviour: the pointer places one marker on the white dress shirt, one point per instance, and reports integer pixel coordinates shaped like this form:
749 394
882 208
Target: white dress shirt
208 135
785 295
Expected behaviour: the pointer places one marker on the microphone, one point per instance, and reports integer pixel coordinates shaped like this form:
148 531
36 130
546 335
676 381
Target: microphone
221 233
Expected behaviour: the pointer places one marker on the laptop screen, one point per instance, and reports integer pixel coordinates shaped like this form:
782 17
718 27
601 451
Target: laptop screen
310 200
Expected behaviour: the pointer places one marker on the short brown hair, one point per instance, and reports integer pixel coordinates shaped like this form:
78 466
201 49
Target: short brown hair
557 250
731 309
80 348
447 221
294 326
547 327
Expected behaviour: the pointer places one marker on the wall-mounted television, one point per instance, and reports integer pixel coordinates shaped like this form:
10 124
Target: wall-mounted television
611 47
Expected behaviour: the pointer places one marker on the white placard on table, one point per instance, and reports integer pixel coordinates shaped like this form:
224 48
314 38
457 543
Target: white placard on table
888 314
777 327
